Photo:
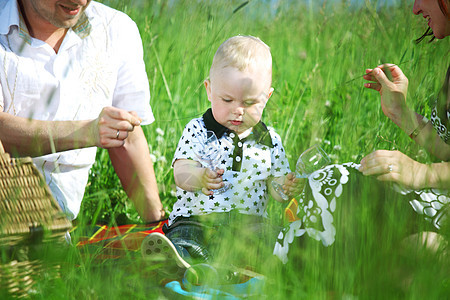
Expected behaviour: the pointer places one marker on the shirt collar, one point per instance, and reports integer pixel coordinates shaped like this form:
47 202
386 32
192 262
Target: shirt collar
10 16
260 134
83 26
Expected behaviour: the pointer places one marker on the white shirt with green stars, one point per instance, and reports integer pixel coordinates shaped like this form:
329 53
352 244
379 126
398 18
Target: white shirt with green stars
248 164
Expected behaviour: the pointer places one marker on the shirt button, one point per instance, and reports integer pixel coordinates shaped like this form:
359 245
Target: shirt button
240 144
231 135
238 158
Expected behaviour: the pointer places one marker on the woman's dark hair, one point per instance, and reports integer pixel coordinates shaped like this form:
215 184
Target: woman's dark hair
444 7
423 36
429 32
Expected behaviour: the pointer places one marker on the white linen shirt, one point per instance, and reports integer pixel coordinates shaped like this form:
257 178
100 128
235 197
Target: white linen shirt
100 63
248 164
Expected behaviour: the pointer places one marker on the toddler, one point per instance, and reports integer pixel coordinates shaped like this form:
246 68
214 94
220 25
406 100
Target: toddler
252 155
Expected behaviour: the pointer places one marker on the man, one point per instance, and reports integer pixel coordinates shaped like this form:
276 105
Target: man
72 77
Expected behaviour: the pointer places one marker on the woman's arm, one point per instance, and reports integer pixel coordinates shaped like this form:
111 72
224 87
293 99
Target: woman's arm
439 175
428 138
397 167
393 103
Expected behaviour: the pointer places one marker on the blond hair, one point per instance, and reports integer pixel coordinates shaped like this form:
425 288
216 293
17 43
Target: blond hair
242 52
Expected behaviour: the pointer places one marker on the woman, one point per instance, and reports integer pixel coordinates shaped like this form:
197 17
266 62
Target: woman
334 194
433 135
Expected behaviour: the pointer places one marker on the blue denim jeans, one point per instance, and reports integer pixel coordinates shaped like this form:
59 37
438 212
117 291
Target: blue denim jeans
201 239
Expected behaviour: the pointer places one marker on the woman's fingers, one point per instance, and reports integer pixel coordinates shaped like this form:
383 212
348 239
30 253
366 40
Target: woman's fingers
389 177
395 166
374 76
381 77
379 162
380 168
396 72
373 86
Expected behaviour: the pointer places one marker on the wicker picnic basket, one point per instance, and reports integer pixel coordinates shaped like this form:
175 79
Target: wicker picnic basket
29 215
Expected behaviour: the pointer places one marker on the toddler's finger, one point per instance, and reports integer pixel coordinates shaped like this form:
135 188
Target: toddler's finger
215 186
211 174
291 177
206 192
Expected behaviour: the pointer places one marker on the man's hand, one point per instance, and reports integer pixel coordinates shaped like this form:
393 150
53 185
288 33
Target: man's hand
112 127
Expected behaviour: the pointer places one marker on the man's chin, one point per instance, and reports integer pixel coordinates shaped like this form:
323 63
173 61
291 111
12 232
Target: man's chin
66 24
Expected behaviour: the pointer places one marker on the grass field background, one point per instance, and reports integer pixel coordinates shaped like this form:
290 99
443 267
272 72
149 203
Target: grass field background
319 54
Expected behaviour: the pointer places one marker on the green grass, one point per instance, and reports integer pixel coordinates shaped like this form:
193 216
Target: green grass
319 58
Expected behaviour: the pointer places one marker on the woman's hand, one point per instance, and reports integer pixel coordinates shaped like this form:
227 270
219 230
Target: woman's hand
396 167
393 92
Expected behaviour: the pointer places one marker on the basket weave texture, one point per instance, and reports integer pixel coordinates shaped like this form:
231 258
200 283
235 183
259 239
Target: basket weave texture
29 215
26 203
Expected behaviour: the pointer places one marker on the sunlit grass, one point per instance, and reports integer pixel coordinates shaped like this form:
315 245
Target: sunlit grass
319 59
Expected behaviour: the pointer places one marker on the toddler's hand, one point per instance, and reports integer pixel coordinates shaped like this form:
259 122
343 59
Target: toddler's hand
293 185
212 180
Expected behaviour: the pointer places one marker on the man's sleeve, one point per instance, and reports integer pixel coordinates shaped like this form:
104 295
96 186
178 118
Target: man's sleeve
132 90
2 99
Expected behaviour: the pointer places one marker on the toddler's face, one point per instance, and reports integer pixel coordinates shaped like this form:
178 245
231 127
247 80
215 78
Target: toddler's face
238 97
